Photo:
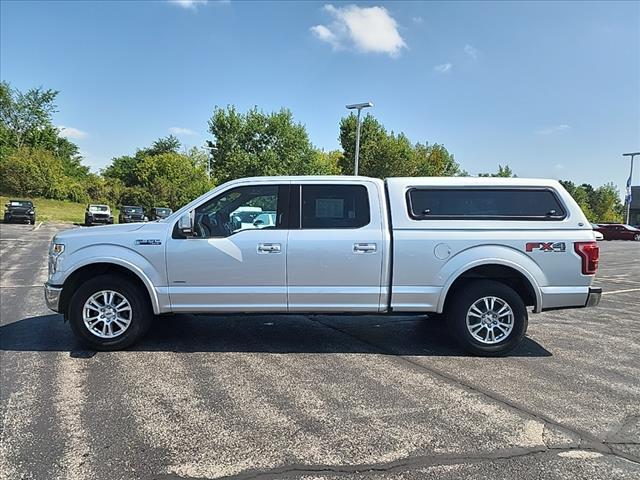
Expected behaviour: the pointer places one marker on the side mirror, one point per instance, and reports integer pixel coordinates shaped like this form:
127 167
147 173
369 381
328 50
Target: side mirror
185 223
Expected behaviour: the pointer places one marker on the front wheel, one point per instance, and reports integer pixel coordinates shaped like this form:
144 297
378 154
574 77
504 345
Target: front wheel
487 318
637 237
109 313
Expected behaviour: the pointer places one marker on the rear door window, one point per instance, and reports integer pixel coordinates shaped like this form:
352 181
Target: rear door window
335 206
484 203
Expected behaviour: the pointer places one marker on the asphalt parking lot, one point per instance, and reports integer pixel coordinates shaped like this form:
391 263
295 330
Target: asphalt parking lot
317 397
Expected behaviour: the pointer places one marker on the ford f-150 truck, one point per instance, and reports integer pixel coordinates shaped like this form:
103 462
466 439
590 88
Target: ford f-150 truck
480 251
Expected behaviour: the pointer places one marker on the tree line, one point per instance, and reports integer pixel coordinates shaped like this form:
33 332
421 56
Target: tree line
37 161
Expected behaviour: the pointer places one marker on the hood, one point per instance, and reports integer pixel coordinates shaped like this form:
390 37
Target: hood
99 231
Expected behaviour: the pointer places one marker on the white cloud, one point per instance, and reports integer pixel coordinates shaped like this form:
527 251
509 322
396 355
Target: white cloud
418 20
367 29
70 132
553 129
182 131
444 68
559 166
188 4
326 35
471 51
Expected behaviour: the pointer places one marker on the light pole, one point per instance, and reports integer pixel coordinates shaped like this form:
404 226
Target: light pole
628 196
359 107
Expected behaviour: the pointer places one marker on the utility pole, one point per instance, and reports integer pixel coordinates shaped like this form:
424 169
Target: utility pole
629 180
359 107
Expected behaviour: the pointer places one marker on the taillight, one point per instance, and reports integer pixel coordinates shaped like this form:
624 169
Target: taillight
589 252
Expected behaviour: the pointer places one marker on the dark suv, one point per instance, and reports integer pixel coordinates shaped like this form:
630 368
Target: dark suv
131 214
158 213
20 210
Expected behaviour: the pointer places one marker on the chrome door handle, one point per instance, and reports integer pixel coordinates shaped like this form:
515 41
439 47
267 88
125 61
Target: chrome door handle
269 248
364 247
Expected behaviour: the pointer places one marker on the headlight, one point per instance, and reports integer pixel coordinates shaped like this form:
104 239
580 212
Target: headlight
54 253
31 212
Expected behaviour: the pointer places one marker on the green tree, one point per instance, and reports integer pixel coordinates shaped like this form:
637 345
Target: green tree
328 163
36 172
257 143
170 179
505 172
600 205
581 195
125 168
23 115
435 161
606 204
168 144
385 154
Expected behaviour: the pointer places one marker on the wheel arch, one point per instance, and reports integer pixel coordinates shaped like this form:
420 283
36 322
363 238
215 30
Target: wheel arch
504 271
115 266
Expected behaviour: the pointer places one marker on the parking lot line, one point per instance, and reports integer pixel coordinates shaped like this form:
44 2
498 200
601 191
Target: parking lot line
622 291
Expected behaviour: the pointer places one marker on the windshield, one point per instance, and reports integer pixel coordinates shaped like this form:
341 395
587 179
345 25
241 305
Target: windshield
98 208
132 209
20 203
163 212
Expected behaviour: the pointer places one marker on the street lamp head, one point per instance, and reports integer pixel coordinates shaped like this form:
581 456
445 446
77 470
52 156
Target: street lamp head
630 154
359 106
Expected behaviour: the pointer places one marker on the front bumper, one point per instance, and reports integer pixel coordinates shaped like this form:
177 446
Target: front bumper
593 299
104 220
52 296
20 216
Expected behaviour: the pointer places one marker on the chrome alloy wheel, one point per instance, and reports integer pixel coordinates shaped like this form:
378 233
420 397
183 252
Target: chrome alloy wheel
490 320
107 314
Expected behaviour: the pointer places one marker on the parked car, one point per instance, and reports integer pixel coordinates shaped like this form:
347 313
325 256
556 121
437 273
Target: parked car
158 213
265 220
596 232
480 251
618 231
20 211
131 214
97 214
243 217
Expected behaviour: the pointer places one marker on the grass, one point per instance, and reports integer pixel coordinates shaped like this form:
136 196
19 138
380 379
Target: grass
55 210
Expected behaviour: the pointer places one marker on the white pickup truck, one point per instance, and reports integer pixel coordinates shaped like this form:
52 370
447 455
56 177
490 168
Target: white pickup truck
478 250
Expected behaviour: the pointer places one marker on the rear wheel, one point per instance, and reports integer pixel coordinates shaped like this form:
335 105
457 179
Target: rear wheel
109 313
487 317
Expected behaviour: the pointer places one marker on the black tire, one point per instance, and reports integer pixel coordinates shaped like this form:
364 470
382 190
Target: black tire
33 221
462 301
141 312
7 219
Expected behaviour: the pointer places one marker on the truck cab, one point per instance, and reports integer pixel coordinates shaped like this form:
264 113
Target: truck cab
479 251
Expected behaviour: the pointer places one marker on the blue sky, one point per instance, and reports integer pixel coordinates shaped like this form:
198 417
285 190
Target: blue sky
552 89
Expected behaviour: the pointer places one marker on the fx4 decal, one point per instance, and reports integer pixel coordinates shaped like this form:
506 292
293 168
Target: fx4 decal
546 246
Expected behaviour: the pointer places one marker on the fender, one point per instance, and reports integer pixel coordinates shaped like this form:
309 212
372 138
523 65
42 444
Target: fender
127 258
492 255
